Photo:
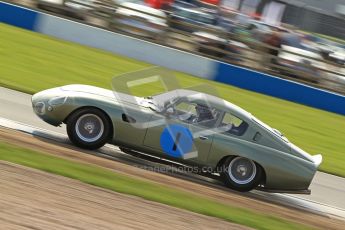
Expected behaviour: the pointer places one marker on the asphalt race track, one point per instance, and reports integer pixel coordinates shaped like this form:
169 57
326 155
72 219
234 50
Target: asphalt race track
328 191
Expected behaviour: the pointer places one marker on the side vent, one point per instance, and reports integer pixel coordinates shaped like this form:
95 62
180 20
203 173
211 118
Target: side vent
257 136
127 118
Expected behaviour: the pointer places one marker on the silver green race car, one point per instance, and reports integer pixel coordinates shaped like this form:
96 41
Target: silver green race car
185 126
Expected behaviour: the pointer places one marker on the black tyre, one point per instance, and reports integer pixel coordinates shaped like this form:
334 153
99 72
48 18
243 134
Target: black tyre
241 174
88 128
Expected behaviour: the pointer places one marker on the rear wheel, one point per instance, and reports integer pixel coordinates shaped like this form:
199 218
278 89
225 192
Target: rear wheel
88 128
241 174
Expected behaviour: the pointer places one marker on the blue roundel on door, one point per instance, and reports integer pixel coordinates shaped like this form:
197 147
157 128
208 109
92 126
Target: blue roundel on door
176 140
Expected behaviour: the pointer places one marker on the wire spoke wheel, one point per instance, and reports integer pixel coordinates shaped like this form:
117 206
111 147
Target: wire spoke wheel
242 170
89 127
242 174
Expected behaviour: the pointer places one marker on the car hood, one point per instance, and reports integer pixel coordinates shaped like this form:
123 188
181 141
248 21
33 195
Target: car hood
121 97
116 96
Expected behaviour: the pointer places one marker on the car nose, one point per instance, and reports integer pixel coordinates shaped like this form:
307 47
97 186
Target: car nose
38 105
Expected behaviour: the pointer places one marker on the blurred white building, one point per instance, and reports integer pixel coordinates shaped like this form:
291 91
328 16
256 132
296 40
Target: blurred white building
318 16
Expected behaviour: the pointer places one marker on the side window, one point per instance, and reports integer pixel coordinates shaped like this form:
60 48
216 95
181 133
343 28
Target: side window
231 119
236 125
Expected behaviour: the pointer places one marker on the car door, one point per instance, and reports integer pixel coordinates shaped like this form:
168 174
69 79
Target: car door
178 134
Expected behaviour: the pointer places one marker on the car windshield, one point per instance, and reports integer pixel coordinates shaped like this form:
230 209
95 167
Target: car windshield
152 104
196 16
161 101
205 18
164 98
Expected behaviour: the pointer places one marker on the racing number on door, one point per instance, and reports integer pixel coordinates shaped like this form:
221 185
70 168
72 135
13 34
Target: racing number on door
176 140
178 135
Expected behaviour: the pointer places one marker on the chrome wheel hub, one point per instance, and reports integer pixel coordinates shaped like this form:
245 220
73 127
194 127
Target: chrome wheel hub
242 170
89 127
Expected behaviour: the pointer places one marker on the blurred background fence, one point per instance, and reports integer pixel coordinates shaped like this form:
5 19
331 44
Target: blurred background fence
283 46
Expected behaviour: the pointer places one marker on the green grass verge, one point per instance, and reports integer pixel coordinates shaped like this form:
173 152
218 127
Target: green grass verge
31 62
151 191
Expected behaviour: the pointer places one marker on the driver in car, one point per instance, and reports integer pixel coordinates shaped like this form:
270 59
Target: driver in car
204 113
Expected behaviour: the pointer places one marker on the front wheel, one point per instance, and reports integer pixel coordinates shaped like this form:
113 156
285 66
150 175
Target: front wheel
88 128
241 174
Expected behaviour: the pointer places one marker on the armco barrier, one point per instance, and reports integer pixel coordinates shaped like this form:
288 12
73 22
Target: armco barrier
17 16
171 58
126 46
280 88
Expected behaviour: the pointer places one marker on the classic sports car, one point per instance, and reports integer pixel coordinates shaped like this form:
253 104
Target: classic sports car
185 126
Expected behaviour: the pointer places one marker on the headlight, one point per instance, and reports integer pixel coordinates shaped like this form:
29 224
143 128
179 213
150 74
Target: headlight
39 108
57 101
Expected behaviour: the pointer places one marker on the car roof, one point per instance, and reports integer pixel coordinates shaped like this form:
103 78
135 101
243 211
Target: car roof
143 8
270 26
155 16
205 98
196 11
